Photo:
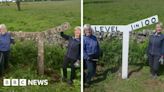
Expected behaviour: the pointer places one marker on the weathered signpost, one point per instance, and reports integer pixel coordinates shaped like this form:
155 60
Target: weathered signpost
125 29
40 37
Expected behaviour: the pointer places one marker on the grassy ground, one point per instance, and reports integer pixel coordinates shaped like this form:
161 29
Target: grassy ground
139 81
39 16
29 72
123 12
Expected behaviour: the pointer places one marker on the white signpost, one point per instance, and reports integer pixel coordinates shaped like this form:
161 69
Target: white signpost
125 29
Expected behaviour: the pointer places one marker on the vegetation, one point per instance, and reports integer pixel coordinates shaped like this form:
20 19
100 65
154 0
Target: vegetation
122 12
39 16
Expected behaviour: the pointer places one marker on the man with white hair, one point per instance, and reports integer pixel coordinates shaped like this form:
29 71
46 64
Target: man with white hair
91 53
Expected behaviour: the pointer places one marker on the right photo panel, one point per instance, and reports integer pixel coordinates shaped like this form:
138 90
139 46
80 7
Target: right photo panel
123 46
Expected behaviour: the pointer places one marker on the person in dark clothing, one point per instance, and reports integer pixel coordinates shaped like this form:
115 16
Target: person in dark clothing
155 50
91 52
5 41
72 54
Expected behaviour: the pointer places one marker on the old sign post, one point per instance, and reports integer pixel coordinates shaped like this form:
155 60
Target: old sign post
39 38
125 29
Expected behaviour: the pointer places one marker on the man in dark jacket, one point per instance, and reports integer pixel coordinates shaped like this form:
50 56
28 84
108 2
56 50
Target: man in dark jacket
91 53
72 54
155 50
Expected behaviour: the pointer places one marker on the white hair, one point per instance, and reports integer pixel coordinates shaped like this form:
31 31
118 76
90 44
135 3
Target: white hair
77 27
88 27
160 24
3 27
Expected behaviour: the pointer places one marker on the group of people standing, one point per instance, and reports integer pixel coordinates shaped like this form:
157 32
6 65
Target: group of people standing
91 52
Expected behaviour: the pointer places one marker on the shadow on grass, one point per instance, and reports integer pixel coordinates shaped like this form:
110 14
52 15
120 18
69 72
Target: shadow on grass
98 1
161 70
139 67
102 76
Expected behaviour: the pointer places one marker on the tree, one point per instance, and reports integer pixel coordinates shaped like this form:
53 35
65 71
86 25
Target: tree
18 4
7 2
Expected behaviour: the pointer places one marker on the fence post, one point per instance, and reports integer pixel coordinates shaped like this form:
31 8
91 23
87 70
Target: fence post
40 61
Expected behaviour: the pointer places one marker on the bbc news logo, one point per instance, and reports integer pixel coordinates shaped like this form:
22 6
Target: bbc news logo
24 82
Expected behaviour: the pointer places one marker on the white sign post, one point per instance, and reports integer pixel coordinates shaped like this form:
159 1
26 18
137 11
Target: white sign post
125 29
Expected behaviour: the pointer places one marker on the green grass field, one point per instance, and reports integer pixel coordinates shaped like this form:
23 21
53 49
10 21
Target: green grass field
122 12
138 82
39 16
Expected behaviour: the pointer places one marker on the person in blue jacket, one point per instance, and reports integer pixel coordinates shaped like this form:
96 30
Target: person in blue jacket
72 54
91 52
155 50
5 41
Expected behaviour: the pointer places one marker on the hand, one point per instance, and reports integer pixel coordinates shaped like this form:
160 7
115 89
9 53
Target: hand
77 63
88 59
145 56
161 60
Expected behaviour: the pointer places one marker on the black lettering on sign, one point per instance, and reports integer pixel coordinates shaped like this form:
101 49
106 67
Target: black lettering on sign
153 20
107 29
95 29
132 27
113 28
137 25
116 28
101 28
147 22
142 23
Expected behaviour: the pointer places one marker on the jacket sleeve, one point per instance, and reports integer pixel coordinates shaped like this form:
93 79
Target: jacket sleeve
86 56
148 47
12 41
66 37
98 48
79 57
163 47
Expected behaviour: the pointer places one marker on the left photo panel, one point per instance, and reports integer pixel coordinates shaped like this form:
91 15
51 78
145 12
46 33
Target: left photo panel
40 45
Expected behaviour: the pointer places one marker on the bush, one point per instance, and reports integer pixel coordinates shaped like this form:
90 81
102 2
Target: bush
54 55
112 52
137 52
25 53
